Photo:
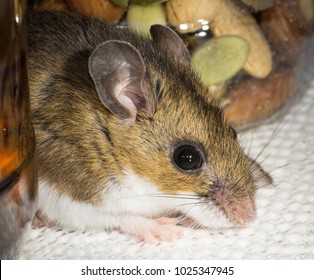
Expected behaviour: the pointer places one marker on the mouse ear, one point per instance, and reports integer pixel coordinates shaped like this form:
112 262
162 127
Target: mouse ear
118 72
166 39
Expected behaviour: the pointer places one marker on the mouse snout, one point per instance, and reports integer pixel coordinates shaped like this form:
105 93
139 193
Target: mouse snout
240 211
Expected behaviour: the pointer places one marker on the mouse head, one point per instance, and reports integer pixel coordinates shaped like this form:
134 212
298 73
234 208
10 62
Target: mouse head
166 129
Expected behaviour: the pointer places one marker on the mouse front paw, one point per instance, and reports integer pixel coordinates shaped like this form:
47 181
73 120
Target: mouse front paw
41 220
152 230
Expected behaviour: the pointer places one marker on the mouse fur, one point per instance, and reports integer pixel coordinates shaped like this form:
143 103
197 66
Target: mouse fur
112 157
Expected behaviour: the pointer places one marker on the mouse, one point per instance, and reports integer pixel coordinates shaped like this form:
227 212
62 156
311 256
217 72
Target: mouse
128 136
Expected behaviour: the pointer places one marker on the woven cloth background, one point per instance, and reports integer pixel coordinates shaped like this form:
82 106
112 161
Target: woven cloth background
284 228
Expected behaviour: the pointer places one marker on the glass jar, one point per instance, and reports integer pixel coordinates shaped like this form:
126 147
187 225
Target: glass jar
18 170
251 53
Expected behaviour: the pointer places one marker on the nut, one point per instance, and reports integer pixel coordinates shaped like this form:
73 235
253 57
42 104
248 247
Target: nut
307 9
259 5
52 5
220 58
224 18
286 30
141 18
254 100
185 15
101 9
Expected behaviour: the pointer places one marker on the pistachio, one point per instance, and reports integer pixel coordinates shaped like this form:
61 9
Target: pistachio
224 18
219 59
140 18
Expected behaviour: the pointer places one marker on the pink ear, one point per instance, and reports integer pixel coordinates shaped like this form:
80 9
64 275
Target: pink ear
118 72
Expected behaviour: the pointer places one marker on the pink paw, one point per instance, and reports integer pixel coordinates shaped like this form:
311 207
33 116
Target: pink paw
152 230
41 220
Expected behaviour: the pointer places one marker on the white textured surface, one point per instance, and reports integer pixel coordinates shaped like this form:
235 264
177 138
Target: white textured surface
284 228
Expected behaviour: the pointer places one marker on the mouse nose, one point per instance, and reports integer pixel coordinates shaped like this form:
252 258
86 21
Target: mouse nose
239 210
217 186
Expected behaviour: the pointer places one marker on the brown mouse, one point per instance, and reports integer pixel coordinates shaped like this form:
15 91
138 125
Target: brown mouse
127 134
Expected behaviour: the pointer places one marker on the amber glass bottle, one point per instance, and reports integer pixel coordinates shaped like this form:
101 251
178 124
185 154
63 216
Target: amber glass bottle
18 172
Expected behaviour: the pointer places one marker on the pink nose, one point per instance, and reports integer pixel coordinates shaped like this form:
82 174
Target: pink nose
239 211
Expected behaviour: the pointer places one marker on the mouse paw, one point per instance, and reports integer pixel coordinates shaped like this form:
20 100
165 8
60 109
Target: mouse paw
152 230
41 220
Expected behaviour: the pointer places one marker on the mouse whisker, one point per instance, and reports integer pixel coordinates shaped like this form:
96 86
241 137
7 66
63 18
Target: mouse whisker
187 211
288 164
190 203
279 129
184 196
236 185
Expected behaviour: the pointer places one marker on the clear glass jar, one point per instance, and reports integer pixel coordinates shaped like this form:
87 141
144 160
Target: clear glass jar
18 170
254 79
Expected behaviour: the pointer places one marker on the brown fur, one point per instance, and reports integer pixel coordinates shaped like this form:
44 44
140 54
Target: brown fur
81 144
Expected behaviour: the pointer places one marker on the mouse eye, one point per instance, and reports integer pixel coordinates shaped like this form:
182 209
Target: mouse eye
187 158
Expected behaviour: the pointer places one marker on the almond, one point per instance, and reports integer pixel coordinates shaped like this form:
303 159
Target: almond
101 9
254 100
286 29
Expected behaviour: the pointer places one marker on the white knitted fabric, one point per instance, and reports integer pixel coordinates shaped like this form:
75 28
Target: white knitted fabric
284 228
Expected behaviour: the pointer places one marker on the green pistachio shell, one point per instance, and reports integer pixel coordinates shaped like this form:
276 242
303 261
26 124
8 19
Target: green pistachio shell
220 58
140 18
